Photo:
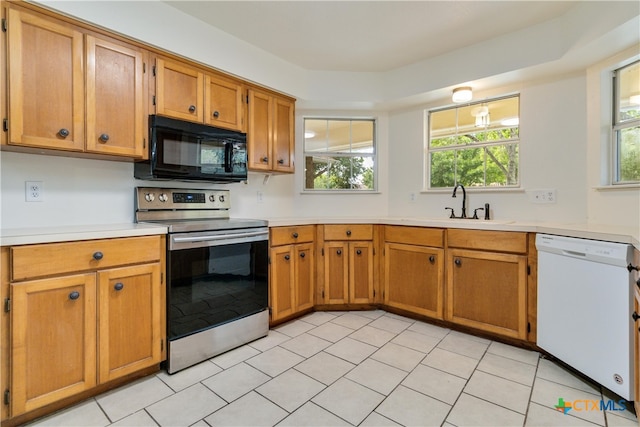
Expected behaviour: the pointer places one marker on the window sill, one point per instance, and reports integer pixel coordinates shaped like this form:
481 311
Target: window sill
475 190
337 192
620 187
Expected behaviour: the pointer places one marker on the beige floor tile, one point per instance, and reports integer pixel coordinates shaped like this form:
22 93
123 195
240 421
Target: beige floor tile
291 389
547 393
250 410
373 336
429 329
462 344
371 314
275 361
306 345
452 363
294 328
435 383
236 381
85 414
515 353
510 369
471 411
551 371
331 332
376 420
311 415
233 357
318 318
186 407
351 320
615 420
377 376
273 339
410 408
139 419
325 368
351 350
348 400
627 413
508 394
416 341
471 337
401 357
391 324
131 398
190 376
541 416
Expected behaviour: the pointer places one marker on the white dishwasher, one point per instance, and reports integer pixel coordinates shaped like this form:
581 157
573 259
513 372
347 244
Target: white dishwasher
585 301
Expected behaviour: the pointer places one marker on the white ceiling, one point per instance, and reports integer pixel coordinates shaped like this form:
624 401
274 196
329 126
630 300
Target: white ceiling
368 36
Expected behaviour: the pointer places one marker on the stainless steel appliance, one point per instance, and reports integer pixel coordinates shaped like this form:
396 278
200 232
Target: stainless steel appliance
217 272
186 151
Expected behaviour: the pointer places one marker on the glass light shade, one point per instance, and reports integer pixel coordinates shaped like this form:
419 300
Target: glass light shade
462 94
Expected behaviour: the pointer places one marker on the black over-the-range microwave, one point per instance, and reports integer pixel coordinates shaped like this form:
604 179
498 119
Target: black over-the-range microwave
186 151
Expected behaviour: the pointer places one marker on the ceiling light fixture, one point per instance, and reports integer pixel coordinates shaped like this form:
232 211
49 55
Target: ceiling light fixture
462 94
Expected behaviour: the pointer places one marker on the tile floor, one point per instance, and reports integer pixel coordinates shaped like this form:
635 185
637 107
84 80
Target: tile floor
354 368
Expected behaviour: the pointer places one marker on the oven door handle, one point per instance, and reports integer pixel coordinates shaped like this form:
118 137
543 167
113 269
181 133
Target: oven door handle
218 237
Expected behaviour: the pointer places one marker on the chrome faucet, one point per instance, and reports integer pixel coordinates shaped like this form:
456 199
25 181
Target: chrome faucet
464 199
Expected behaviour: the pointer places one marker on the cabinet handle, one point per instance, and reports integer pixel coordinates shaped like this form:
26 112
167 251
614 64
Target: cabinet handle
104 138
287 257
302 255
348 232
192 108
118 286
98 256
63 132
216 114
339 252
458 262
635 316
74 295
280 161
295 235
358 252
432 259
265 159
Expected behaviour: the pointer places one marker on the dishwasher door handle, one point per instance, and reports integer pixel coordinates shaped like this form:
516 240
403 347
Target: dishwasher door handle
574 253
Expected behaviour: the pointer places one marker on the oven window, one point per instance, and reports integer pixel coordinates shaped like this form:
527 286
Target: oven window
214 285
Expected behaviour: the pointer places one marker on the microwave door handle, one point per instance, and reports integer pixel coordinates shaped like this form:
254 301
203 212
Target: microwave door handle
228 155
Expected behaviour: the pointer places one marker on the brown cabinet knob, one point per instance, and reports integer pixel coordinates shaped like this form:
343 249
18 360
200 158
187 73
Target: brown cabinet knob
63 132
348 232
295 235
74 295
287 257
359 252
432 259
192 108
302 255
98 256
281 162
458 262
265 159
216 114
104 138
339 252
118 286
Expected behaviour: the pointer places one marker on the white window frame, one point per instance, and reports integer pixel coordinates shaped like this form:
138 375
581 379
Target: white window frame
617 127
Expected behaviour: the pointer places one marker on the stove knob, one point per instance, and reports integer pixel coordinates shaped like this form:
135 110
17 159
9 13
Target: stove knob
149 197
212 199
163 197
221 199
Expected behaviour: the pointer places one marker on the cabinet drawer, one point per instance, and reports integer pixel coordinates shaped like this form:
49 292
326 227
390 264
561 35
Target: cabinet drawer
421 236
348 232
290 235
49 259
501 241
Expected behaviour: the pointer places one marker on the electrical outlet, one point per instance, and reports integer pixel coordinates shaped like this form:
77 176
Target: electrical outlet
547 195
412 197
260 197
33 191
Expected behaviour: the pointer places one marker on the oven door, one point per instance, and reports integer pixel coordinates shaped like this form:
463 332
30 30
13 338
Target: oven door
215 278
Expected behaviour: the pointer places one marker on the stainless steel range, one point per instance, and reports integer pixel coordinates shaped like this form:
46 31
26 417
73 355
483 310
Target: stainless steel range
217 272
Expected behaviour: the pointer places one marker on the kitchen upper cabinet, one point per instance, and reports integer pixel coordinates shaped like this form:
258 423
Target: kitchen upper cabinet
414 270
116 119
348 276
55 103
292 271
188 93
46 82
270 134
487 289
82 314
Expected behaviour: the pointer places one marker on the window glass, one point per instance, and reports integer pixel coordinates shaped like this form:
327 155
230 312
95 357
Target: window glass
626 127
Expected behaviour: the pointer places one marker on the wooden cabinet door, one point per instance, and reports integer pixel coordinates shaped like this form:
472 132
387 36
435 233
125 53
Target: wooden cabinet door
179 91
223 105
260 131
283 135
360 272
304 273
53 340
636 352
129 329
336 273
46 83
487 290
282 281
414 279
115 99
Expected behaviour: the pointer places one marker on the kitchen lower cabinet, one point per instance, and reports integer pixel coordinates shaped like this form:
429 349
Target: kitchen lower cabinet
292 264
487 290
348 253
82 314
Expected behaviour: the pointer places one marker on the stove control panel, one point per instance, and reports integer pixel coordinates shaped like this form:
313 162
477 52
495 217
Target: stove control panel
154 198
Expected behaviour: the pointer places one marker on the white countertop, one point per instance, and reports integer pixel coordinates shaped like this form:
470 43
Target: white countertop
612 233
27 236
